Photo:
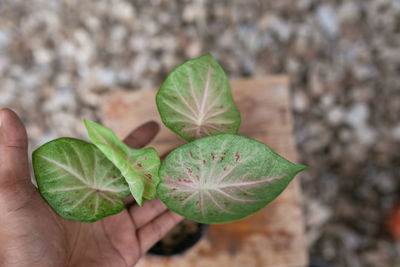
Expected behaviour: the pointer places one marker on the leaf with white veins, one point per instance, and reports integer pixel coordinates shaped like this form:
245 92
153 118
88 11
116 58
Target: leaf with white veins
138 166
78 181
196 100
223 178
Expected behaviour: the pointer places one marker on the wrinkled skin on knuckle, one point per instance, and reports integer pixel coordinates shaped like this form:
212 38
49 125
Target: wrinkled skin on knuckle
13 196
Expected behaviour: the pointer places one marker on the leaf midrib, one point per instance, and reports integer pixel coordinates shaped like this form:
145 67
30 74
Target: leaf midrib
76 175
200 116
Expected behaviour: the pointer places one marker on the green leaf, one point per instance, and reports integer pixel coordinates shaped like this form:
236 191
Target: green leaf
223 178
77 181
196 100
138 166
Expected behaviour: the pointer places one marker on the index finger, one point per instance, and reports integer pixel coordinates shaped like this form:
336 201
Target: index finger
142 135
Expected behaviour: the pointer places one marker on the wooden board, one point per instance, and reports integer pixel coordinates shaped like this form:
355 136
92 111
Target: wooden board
272 237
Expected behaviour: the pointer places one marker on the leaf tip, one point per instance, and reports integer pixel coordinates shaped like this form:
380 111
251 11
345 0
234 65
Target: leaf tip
208 55
301 168
87 123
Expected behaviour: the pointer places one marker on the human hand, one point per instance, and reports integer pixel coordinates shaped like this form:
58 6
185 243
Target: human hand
32 234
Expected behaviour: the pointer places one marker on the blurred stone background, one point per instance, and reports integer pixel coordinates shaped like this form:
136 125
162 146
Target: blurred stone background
57 59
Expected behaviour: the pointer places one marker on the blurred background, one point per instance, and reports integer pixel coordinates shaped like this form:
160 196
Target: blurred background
57 59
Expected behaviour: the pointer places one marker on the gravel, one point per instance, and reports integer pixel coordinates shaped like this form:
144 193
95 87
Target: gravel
57 59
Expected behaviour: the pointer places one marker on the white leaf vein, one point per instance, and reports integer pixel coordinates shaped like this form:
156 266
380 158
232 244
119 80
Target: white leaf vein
82 199
66 168
216 203
183 99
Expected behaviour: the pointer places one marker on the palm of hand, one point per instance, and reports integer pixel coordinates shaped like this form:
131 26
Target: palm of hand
31 234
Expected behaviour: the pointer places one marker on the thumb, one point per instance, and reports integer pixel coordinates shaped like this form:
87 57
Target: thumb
14 164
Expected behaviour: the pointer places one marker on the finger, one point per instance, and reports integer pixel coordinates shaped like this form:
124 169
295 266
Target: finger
152 232
14 162
150 210
142 135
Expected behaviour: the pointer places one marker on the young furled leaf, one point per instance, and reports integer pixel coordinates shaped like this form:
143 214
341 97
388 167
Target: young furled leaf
223 178
78 181
196 100
138 166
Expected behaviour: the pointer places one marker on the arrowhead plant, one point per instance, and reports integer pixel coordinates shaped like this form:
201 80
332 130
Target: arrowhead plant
196 100
138 166
78 181
223 178
219 176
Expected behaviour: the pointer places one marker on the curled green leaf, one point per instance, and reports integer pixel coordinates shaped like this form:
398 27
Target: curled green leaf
138 166
78 181
196 100
223 178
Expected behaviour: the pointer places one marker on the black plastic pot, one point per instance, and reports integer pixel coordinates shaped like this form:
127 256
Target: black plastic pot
182 237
